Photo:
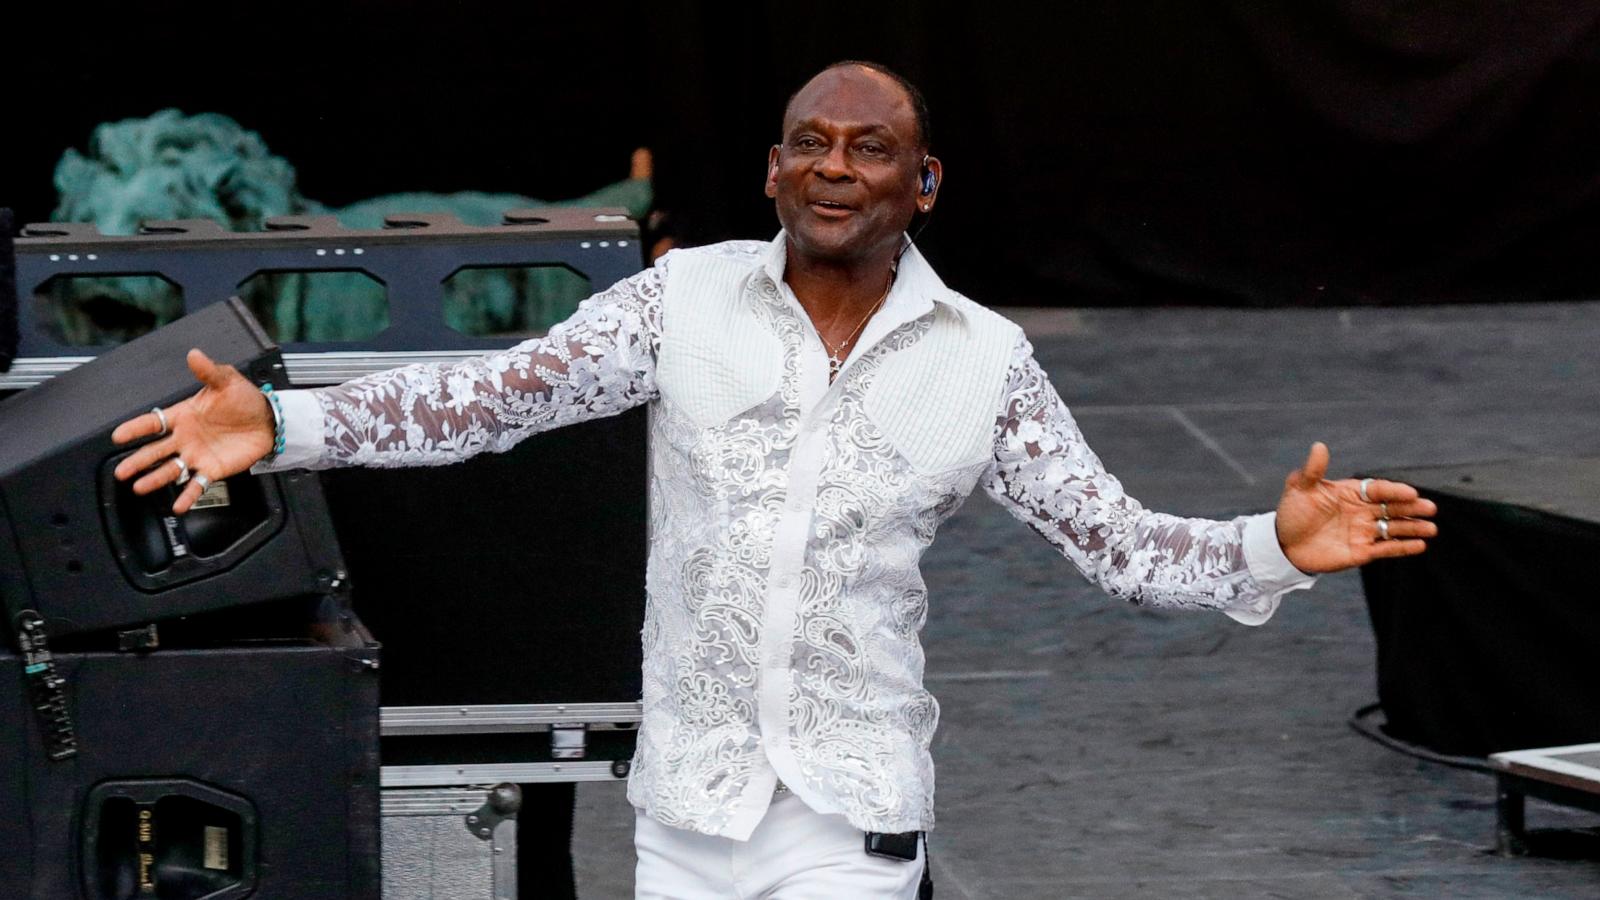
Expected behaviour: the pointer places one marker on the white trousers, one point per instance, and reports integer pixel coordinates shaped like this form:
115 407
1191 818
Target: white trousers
794 854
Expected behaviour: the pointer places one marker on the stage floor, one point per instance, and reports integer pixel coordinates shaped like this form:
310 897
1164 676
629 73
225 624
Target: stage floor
1093 749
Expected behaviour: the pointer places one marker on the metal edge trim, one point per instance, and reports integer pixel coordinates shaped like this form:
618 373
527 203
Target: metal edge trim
493 773
1540 764
561 225
503 860
515 717
311 369
305 369
29 372
432 801
1541 752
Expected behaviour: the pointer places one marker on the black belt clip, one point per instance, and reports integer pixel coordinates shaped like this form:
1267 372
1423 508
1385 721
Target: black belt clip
902 846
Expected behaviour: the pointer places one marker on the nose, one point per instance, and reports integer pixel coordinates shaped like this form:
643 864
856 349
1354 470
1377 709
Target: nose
835 164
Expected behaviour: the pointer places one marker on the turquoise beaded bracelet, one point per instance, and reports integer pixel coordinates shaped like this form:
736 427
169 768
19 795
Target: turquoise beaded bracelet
277 421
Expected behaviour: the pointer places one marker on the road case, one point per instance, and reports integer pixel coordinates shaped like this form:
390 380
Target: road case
450 843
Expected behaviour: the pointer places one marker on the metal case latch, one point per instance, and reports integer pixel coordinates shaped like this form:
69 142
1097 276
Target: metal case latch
504 801
568 740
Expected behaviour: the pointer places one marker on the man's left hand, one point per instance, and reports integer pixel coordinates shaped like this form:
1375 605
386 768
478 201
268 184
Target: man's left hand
1325 526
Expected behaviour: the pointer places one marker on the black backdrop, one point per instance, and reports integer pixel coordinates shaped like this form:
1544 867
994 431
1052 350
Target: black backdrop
1324 151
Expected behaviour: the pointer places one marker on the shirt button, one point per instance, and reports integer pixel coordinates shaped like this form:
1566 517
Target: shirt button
797 504
786 582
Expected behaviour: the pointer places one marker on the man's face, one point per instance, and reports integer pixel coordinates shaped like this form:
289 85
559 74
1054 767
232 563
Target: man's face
845 177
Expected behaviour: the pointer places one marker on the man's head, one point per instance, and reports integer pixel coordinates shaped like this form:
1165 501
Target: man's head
848 175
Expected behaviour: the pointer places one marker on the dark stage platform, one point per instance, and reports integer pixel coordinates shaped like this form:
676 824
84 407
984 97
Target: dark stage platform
1090 749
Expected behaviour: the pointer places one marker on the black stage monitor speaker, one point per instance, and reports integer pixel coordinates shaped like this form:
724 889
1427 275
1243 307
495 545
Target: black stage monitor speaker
1485 641
240 760
81 549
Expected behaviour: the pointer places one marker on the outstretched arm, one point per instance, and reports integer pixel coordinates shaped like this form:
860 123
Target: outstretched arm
1046 476
599 362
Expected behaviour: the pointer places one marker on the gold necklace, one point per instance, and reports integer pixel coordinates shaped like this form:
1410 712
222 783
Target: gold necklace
836 354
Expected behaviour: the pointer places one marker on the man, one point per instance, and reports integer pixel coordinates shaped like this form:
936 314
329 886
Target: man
820 405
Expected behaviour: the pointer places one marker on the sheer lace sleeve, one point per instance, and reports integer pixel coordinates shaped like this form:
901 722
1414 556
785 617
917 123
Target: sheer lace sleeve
1046 476
597 363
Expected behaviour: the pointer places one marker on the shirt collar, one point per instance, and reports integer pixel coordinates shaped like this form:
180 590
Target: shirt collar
916 286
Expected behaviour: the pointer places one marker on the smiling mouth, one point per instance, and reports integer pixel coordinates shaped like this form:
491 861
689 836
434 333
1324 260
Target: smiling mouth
831 208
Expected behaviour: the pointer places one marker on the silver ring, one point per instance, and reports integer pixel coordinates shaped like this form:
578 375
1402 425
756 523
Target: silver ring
203 481
183 469
1364 497
1385 507
1383 529
162 418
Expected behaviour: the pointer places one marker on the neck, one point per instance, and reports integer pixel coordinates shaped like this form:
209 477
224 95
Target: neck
832 291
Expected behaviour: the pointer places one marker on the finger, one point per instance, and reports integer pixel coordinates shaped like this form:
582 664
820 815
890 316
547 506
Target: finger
143 458
1315 468
1412 528
209 373
158 477
1386 549
1380 491
137 427
1412 509
186 498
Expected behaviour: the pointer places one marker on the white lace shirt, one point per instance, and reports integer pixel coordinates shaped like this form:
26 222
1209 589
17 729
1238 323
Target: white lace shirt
789 514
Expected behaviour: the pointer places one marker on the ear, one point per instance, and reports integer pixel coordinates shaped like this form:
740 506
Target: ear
925 201
772 171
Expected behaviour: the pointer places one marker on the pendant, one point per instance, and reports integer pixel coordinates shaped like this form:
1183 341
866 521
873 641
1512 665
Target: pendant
834 365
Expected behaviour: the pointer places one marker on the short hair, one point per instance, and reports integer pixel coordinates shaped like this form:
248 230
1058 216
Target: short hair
919 104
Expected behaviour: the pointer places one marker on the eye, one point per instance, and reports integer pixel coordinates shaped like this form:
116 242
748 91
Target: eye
872 150
805 142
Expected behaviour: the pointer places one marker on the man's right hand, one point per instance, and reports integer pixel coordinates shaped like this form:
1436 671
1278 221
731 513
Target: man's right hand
220 431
